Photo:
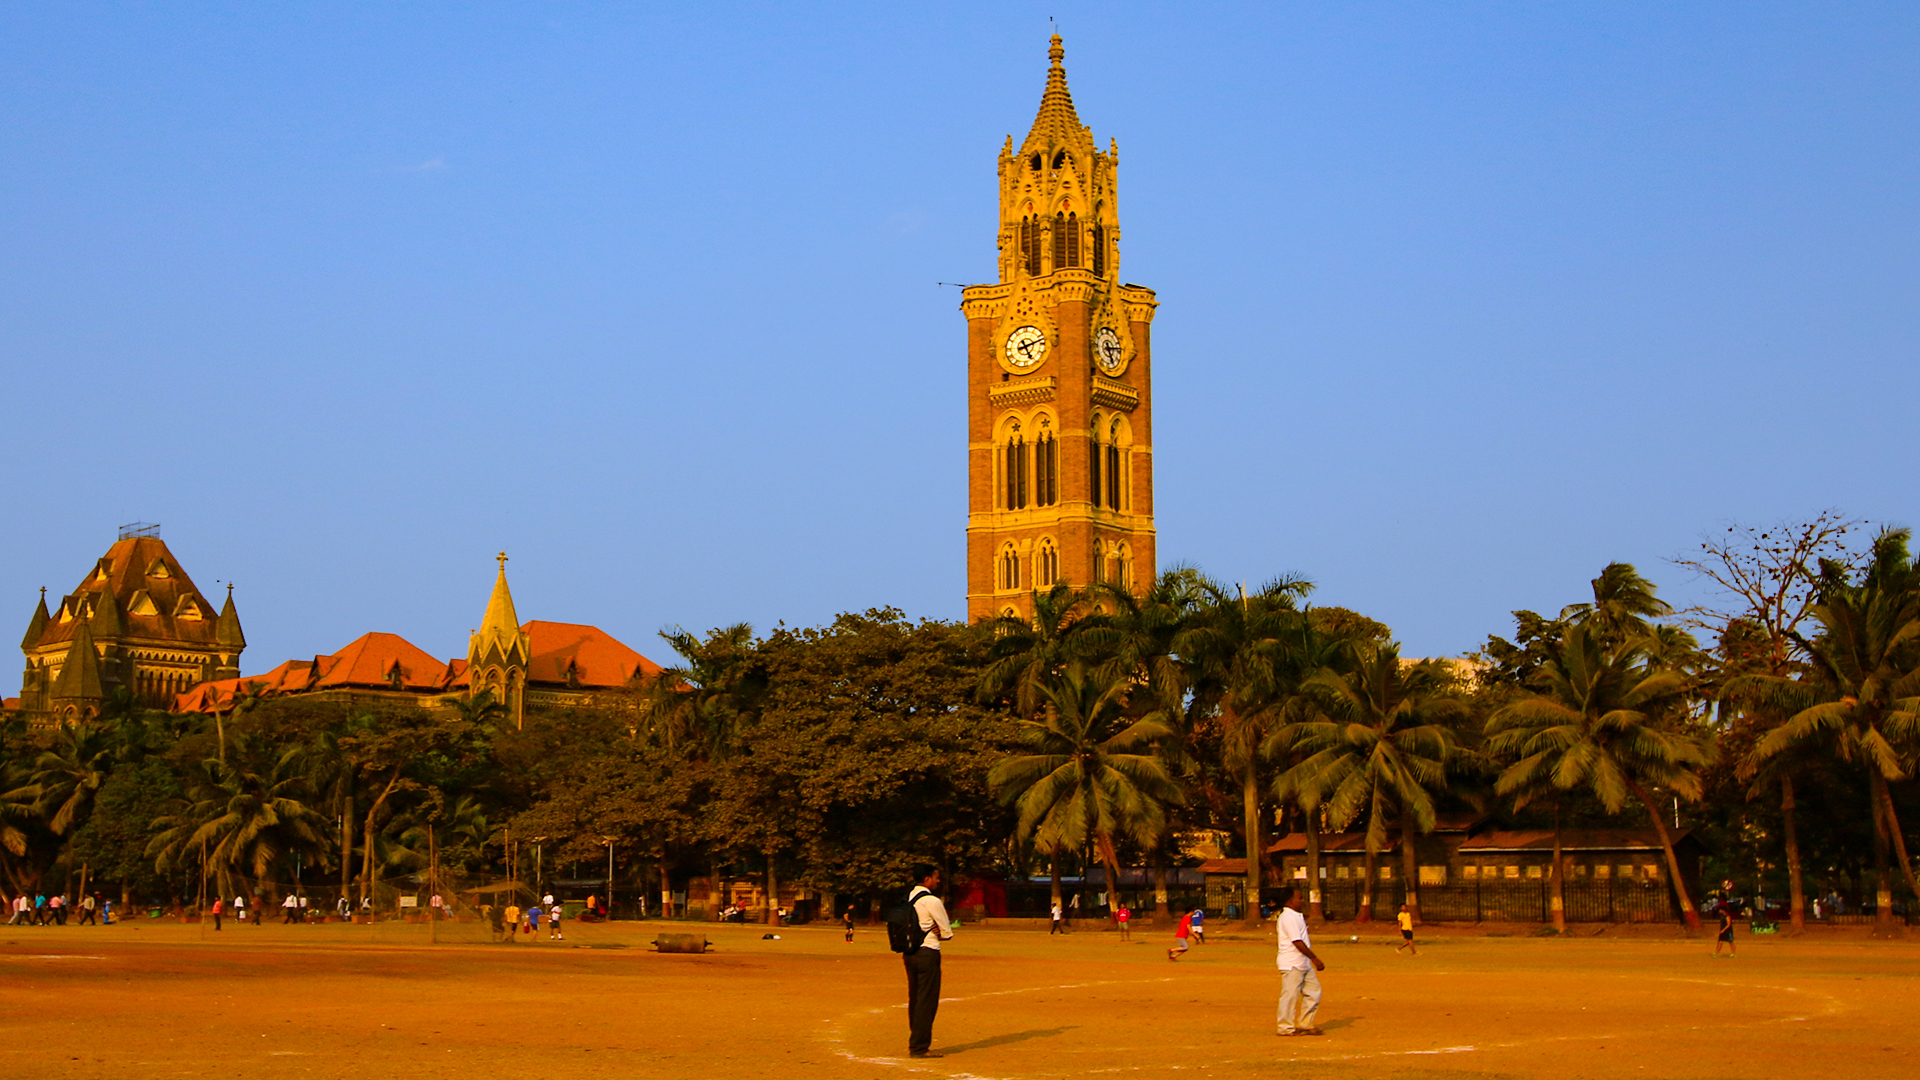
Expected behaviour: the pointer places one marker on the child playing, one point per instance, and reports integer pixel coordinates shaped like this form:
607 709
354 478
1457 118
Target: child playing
1182 937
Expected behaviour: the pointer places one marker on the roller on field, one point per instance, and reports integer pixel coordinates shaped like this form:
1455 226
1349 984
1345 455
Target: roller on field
681 943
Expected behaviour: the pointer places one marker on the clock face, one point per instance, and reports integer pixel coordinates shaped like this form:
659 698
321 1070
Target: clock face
1108 350
1026 347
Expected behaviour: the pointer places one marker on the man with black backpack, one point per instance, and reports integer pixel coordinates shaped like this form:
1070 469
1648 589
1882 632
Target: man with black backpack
915 930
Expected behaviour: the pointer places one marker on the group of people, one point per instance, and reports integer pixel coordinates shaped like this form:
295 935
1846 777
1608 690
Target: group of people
511 920
42 909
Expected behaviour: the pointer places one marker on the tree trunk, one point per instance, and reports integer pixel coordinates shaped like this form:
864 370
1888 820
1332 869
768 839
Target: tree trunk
346 850
1795 888
1899 839
1053 868
773 895
366 861
1687 911
1557 878
1365 914
1250 797
1883 880
1316 904
1162 902
666 888
1410 863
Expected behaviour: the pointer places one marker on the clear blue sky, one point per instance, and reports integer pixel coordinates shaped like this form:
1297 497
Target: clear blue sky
1459 301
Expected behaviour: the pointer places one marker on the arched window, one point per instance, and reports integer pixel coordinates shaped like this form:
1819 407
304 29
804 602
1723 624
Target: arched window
1099 250
1034 163
1060 160
1123 565
1009 567
1099 562
1013 463
1093 462
1073 240
1031 239
1114 487
1066 241
1046 565
1046 467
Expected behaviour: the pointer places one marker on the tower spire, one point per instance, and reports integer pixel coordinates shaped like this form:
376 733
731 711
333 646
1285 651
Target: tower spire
1056 124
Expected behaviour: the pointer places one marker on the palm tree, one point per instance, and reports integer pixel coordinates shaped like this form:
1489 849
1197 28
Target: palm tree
68 775
1861 696
243 815
1306 651
700 706
1623 603
1381 743
1233 648
1027 653
1092 775
1599 719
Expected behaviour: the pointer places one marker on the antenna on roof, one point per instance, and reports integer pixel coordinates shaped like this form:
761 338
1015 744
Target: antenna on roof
136 529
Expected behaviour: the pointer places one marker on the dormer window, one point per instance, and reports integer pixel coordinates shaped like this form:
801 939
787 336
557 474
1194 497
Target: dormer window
142 604
159 569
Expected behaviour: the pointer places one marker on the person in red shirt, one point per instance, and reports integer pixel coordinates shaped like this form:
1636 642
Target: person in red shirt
1182 937
1125 920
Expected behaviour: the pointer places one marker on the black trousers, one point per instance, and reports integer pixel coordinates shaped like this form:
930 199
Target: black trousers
923 997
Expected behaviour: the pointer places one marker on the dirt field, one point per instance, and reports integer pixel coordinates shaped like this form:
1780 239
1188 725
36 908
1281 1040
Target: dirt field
152 1000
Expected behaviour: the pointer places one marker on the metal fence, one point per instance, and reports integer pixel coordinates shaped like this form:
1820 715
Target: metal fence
1531 901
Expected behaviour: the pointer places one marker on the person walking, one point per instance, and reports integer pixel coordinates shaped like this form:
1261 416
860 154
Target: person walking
218 905
1123 917
1199 926
89 909
923 962
343 907
846 920
240 908
39 909
553 923
19 906
1299 981
1182 937
1726 931
512 921
1406 931
1057 926
57 904
533 922
290 910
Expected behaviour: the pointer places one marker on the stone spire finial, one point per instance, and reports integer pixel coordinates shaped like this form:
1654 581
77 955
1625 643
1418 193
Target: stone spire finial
1056 124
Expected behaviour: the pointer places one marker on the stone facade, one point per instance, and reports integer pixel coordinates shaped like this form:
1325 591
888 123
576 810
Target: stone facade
1059 389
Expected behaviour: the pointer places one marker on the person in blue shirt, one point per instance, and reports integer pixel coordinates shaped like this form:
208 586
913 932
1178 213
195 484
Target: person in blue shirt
1199 926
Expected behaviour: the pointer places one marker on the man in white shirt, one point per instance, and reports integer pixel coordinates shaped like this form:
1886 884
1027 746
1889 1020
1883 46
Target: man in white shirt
923 962
1299 985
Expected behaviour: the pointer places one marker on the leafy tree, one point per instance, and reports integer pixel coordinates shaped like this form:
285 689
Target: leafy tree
1379 746
1092 775
1601 717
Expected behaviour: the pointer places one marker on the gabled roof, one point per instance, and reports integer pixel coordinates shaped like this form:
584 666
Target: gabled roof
595 657
134 565
373 659
1573 840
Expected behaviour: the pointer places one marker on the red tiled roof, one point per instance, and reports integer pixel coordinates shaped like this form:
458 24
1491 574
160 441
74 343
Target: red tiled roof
171 609
371 660
1224 866
1571 840
596 657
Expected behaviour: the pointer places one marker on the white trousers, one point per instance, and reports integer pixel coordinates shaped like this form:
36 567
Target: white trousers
1299 998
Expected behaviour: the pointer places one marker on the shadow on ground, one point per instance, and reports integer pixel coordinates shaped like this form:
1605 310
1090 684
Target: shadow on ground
1012 1037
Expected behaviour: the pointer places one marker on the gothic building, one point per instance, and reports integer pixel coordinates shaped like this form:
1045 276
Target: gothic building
137 623
1059 391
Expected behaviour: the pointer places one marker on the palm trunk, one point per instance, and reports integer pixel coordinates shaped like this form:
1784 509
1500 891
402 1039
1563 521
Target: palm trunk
1053 868
1103 843
346 850
666 888
1899 839
1365 914
366 861
1883 879
1795 888
1410 863
1250 797
1161 901
1687 911
1316 904
1556 877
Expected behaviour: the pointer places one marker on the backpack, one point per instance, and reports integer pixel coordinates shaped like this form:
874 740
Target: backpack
904 935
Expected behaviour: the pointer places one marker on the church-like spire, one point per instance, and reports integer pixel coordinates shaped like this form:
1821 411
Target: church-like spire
1056 124
500 623
227 631
37 625
106 616
79 678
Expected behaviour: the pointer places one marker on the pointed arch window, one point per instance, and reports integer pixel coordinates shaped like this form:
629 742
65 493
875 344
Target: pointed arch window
1009 567
1030 231
1093 463
1114 486
1099 250
1046 565
1123 565
1099 562
1066 241
1013 465
1046 467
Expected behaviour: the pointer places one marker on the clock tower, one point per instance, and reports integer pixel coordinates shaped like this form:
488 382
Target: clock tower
1059 392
